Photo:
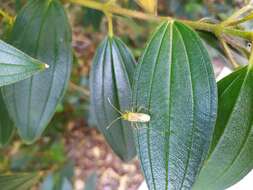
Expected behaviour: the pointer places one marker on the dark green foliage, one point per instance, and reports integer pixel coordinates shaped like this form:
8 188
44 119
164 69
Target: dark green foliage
174 81
92 17
231 156
60 180
41 30
18 181
6 125
111 77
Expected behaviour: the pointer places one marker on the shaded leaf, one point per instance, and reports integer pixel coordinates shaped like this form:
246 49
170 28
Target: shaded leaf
92 17
15 65
48 183
41 30
18 181
90 183
6 124
175 82
60 180
111 77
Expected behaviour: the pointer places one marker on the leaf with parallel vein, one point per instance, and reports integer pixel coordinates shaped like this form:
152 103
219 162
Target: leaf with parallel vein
231 156
41 30
112 77
16 65
20 181
175 82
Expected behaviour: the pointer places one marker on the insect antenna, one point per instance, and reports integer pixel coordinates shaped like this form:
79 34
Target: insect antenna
114 107
114 121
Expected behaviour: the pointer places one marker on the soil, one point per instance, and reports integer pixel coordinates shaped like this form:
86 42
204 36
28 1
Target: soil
94 155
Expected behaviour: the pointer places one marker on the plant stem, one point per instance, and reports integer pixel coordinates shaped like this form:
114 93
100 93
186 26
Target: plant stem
237 14
110 24
251 58
114 9
5 15
217 29
80 89
242 20
228 53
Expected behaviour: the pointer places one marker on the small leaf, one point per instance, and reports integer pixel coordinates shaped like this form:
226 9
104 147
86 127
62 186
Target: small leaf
111 77
16 65
90 183
60 180
18 181
231 156
66 184
41 29
92 17
175 82
48 183
6 124
149 6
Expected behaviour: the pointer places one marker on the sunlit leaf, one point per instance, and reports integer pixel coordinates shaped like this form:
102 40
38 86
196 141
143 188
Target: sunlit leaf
16 65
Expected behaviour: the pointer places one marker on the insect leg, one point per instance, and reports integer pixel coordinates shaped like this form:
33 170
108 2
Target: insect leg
116 109
114 121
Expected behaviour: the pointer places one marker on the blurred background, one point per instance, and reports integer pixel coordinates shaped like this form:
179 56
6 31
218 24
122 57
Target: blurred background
72 151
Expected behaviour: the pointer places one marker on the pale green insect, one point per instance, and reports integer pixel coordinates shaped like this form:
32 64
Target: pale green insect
129 116
143 118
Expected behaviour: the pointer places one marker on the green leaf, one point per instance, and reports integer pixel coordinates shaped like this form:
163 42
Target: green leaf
48 183
41 30
175 82
231 155
92 17
111 77
18 181
6 124
15 65
60 180
91 182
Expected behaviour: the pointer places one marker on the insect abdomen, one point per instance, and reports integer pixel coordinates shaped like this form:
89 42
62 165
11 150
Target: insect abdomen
138 117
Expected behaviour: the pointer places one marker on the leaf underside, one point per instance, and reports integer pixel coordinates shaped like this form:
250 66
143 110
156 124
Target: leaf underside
174 81
42 31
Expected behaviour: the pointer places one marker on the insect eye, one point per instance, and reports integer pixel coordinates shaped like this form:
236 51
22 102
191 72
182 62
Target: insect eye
249 46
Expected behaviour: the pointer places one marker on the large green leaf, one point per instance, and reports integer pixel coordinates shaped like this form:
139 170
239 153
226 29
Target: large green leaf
18 181
6 124
175 82
231 155
41 30
111 77
15 65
